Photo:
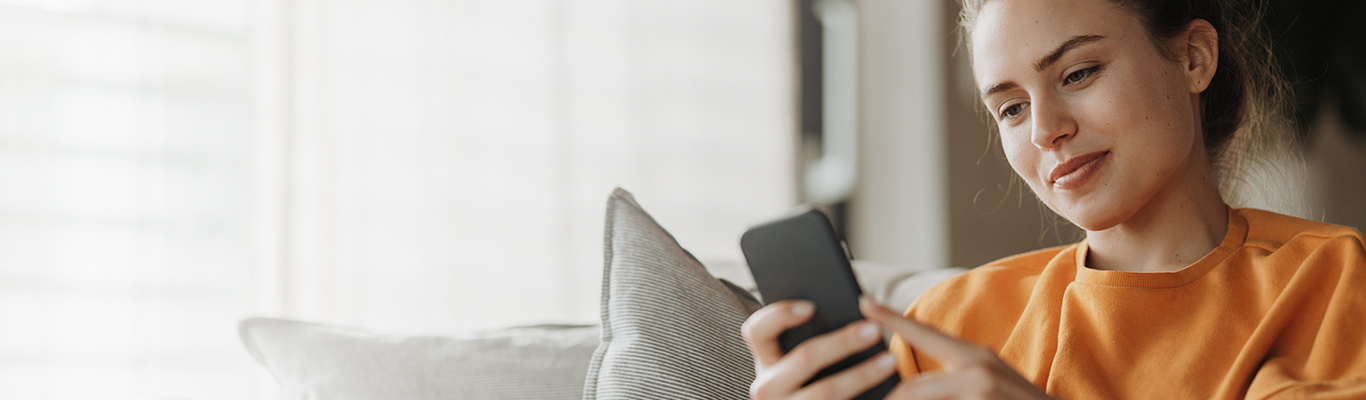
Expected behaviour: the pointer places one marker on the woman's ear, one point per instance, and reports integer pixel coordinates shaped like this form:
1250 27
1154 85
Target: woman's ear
1201 54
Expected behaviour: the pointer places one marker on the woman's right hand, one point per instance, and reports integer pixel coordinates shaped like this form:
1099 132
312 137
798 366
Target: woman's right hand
780 376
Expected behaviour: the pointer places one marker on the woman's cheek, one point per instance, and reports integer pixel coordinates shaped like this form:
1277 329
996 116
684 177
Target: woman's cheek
1022 155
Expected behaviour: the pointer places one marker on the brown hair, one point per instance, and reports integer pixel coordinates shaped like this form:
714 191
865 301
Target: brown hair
1244 109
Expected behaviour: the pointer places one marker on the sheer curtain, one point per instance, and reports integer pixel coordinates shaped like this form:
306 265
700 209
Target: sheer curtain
445 164
123 235
168 167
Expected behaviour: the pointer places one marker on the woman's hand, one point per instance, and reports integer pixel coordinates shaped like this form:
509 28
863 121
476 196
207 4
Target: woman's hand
780 376
970 371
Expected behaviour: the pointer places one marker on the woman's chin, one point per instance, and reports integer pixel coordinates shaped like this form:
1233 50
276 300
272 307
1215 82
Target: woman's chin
1092 217
1091 226
1096 207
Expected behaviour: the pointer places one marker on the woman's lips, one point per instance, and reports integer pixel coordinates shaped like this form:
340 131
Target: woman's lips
1075 172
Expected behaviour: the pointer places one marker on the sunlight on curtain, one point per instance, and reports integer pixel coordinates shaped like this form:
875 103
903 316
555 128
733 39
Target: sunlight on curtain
446 163
122 188
168 167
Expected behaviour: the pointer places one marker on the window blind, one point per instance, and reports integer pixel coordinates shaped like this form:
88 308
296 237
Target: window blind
168 167
121 199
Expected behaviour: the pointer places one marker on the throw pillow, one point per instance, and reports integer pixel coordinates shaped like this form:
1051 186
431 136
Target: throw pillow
324 362
669 329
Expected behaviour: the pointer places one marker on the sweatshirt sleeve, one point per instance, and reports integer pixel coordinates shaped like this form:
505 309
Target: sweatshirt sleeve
906 364
1322 352
909 365
905 358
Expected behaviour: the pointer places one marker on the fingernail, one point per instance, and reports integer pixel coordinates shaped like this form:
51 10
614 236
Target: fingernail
802 309
869 330
886 361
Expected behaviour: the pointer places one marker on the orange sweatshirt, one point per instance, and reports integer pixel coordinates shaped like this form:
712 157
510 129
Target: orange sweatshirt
1278 310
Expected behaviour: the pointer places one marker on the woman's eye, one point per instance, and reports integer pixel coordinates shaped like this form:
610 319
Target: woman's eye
1013 110
1081 75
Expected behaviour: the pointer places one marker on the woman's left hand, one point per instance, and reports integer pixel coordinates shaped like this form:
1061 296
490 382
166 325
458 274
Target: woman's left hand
970 371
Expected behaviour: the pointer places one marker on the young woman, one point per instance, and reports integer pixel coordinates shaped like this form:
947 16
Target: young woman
1119 114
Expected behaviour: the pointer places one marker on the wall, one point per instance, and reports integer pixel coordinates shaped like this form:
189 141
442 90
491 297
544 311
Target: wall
897 214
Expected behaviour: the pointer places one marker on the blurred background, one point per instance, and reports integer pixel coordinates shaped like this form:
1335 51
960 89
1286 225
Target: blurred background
168 167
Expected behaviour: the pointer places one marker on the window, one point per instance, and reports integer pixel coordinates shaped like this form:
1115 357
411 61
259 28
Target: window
122 180
169 167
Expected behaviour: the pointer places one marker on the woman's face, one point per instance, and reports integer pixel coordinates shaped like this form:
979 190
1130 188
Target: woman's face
1091 115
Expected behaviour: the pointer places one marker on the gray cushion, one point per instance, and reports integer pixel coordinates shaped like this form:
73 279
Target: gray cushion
323 362
670 330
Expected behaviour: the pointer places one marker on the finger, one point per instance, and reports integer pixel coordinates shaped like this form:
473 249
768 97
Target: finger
948 350
933 385
814 354
762 328
853 381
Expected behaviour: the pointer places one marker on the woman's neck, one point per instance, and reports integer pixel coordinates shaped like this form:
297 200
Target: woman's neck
1177 227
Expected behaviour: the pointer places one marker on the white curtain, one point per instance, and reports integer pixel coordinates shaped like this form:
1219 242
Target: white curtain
446 163
168 167
123 174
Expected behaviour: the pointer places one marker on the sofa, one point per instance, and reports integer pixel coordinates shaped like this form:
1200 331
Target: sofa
670 329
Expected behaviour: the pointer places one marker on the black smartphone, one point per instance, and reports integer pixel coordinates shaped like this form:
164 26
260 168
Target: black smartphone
800 257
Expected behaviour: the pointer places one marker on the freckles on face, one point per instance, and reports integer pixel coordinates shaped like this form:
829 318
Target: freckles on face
1112 98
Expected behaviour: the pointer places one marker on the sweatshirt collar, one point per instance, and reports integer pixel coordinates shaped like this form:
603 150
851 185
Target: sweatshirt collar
1234 239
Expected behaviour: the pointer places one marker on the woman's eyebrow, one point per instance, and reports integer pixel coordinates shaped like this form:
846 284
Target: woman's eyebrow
1046 61
999 87
1074 42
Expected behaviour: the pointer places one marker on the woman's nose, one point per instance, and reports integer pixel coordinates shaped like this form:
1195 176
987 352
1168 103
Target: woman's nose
1053 123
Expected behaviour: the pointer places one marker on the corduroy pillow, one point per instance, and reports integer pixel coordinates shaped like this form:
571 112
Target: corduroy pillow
670 330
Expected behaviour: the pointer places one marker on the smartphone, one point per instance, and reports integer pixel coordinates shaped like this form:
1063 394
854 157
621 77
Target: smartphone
800 257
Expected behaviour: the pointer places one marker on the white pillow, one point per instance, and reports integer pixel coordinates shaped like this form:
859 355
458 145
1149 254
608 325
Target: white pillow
323 362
